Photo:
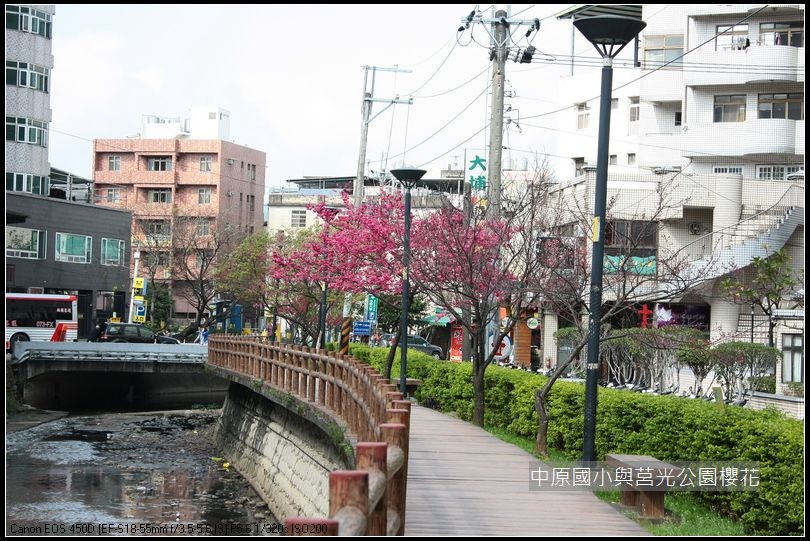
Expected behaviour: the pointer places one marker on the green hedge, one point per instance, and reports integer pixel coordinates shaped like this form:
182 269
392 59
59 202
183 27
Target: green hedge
666 427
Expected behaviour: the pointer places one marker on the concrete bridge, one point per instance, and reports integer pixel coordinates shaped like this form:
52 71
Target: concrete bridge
79 375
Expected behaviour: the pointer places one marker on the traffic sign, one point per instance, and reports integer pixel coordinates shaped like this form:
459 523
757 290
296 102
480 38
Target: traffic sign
373 303
139 319
140 311
362 328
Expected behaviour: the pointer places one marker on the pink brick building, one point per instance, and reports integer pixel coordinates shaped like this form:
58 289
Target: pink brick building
191 198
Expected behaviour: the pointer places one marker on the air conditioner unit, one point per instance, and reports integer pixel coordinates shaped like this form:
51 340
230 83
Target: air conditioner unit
36 290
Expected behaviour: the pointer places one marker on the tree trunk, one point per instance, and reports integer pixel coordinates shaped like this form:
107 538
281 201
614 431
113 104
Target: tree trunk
478 393
541 398
541 441
389 360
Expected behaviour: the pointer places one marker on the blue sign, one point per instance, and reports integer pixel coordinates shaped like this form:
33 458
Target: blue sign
362 328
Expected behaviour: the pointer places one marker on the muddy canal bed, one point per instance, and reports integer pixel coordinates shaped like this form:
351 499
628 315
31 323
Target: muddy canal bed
127 473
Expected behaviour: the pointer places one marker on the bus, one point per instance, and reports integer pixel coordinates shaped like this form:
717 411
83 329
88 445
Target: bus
41 317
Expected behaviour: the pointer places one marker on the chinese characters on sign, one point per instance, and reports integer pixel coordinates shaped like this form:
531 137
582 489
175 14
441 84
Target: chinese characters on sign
690 476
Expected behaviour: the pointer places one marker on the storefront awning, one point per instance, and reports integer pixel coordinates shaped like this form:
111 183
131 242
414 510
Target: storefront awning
439 319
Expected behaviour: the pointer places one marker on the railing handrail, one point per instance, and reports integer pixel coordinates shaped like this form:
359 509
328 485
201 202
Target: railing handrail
371 499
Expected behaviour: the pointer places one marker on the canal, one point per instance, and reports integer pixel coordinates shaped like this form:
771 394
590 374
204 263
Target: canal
151 473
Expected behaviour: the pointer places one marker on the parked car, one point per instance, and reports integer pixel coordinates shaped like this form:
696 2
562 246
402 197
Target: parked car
134 333
414 342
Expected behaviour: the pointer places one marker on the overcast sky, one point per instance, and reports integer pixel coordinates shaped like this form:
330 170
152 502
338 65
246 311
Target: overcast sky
291 77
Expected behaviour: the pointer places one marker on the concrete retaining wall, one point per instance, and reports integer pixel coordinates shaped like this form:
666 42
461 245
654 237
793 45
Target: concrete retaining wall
284 447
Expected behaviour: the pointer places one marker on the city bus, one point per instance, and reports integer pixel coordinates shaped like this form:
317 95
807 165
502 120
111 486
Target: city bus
42 317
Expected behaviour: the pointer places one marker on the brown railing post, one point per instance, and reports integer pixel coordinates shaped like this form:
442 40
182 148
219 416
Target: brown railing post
373 458
348 499
396 436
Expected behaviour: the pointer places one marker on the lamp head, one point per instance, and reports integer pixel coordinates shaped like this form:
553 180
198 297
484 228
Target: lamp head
609 33
408 176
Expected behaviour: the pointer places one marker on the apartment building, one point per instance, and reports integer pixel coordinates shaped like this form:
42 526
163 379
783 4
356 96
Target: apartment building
193 194
715 110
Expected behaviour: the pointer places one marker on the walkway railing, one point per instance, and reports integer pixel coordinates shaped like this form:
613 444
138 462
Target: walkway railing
371 499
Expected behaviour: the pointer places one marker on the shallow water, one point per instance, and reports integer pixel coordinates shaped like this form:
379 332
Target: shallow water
124 474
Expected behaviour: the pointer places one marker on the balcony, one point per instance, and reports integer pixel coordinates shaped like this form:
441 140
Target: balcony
757 63
755 136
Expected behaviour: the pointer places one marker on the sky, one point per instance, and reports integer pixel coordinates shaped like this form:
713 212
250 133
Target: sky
292 79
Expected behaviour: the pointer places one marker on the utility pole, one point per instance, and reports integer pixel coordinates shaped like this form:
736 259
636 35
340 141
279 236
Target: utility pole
498 57
366 118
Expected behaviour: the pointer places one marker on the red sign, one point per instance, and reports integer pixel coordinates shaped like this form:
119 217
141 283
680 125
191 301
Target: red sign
456 341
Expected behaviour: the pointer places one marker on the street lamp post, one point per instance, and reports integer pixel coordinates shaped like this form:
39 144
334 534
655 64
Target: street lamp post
609 35
137 256
408 177
329 213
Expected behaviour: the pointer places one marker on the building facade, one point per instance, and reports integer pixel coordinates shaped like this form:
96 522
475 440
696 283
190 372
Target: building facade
53 244
28 100
715 111
192 195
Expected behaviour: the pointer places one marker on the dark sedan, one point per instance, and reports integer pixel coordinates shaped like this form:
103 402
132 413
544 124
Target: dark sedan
134 333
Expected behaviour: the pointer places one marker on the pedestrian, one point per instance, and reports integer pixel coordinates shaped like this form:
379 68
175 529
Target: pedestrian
204 336
98 331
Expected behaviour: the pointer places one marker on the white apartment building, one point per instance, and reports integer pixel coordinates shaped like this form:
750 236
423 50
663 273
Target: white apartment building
724 123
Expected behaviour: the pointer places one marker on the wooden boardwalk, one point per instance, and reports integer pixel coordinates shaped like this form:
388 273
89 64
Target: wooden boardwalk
464 481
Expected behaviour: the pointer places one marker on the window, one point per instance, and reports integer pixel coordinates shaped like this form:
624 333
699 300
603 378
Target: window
23 182
114 163
781 106
113 195
583 112
613 159
631 246
731 37
252 171
25 243
792 357
728 169
678 118
203 227
27 75
26 130
299 218
28 19
791 33
776 172
579 166
614 103
663 50
204 196
204 258
153 260
159 164
631 158
634 109
159 196
156 228
729 108
72 248
112 252
205 163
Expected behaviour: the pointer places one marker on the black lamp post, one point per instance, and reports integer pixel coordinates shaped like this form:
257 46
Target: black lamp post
329 213
408 177
609 35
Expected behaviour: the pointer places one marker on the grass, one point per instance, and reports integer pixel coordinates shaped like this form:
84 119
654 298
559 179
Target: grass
691 517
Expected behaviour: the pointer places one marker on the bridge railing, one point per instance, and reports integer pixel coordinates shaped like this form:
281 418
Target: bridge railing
371 499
